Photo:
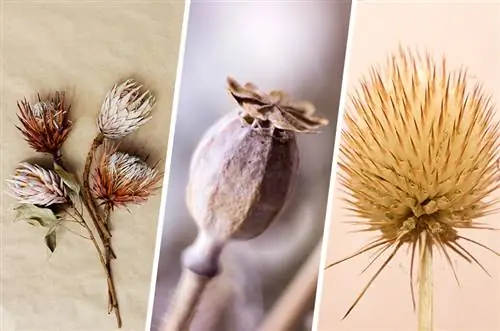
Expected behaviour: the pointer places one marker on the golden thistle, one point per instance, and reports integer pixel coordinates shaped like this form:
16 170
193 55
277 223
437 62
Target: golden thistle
418 160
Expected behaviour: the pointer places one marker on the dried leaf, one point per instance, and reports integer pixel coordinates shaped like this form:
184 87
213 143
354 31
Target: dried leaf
36 216
68 178
50 238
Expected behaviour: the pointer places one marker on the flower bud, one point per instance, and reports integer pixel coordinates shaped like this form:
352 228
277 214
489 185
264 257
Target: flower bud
125 109
33 184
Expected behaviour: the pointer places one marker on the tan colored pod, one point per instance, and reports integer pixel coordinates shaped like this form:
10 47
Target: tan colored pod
240 178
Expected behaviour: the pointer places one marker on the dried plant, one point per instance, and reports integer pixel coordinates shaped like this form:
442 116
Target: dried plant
47 199
259 108
45 124
122 179
239 181
32 184
118 180
418 160
125 108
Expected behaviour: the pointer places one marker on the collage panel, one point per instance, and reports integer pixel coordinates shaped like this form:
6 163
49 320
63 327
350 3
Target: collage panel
240 234
416 173
74 72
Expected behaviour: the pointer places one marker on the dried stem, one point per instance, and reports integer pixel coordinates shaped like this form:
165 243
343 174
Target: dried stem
201 264
102 259
108 252
425 287
189 291
87 197
297 299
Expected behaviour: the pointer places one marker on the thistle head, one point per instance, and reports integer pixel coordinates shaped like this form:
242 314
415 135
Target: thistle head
45 124
125 108
418 156
32 184
121 178
274 109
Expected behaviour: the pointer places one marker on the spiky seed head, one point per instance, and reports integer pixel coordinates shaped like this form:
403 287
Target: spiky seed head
418 155
32 184
125 108
45 123
121 178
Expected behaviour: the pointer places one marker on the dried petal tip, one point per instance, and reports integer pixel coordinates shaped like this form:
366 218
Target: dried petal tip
274 109
45 124
125 108
121 178
33 184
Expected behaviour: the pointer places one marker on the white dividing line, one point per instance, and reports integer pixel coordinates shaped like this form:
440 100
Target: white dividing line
333 174
168 161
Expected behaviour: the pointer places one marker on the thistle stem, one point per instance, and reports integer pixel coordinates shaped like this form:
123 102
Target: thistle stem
102 259
87 197
201 264
425 287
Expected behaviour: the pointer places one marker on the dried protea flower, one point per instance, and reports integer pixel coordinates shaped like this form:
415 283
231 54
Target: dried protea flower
45 124
32 184
125 108
418 159
240 178
121 178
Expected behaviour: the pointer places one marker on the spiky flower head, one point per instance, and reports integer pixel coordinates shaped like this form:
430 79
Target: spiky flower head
32 184
45 123
125 108
418 158
121 178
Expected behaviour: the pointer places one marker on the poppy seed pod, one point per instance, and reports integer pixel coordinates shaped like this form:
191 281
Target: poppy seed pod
240 178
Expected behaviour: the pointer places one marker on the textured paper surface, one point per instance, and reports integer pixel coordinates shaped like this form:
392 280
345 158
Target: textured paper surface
468 35
83 48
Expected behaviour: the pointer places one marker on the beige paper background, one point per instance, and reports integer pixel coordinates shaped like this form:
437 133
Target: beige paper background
84 48
469 34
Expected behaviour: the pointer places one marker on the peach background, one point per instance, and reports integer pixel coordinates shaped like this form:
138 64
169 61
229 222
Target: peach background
469 34
83 47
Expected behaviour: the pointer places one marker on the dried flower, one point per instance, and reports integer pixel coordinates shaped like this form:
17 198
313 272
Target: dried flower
121 178
418 160
240 178
275 108
125 109
45 124
33 184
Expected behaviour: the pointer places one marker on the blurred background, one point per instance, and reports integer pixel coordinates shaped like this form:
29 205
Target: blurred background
298 47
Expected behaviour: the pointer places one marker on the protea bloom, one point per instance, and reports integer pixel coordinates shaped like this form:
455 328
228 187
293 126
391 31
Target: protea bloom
121 178
32 184
45 124
125 108
418 160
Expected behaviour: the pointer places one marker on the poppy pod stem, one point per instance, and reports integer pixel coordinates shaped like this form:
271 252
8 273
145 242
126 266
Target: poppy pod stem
201 264
425 287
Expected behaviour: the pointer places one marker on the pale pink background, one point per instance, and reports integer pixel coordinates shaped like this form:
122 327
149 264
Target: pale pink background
469 34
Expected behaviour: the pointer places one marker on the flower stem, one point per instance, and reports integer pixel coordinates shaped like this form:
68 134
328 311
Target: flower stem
102 259
87 197
201 264
425 287
108 252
